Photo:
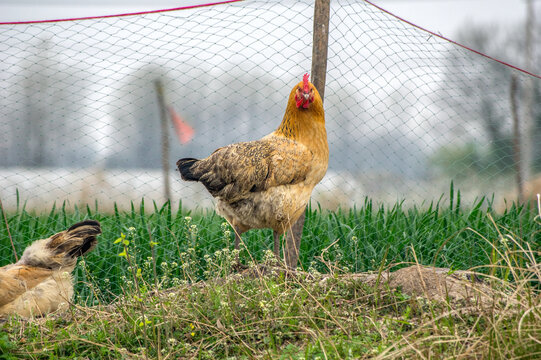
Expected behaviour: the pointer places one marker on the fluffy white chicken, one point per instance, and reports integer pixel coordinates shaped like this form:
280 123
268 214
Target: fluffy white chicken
41 280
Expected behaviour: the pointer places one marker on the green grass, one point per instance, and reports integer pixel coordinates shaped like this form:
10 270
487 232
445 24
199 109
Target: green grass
363 238
278 317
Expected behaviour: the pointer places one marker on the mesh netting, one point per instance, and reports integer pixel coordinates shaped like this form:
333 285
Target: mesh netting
406 114
406 111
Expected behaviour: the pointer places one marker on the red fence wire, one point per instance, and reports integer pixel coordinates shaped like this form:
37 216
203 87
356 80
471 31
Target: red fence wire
119 15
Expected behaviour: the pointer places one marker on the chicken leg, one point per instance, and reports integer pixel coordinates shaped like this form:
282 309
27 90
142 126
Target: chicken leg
293 242
238 265
276 237
237 239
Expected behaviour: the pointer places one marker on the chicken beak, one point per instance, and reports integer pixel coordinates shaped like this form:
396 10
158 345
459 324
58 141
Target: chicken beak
306 96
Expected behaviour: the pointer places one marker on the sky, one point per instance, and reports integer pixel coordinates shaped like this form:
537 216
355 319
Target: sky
445 17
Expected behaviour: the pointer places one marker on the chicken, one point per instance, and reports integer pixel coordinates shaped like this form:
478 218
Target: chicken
41 280
267 183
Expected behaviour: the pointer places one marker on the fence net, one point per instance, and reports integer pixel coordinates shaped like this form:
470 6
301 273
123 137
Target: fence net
406 112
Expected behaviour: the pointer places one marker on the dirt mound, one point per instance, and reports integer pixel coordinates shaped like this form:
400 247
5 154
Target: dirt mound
439 284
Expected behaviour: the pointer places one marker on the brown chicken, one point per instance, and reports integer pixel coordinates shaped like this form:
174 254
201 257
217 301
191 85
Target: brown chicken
267 183
41 280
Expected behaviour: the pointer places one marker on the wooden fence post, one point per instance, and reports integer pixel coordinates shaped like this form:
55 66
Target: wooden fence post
320 44
517 156
164 139
319 71
528 125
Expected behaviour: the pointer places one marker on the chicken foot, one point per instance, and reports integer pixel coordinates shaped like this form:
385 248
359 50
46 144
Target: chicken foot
237 239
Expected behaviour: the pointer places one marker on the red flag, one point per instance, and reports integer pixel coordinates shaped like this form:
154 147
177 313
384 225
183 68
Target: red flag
184 131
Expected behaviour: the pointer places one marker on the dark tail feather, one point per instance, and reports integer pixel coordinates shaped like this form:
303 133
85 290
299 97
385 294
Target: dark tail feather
185 168
91 226
87 231
77 240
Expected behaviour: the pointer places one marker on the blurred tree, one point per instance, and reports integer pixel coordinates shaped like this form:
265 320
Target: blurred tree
43 129
225 108
136 116
478 89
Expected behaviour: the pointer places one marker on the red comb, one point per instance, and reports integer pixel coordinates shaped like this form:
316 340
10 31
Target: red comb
305 81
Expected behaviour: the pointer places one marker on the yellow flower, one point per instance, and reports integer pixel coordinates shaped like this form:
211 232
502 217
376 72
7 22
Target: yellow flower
147 322
122 237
